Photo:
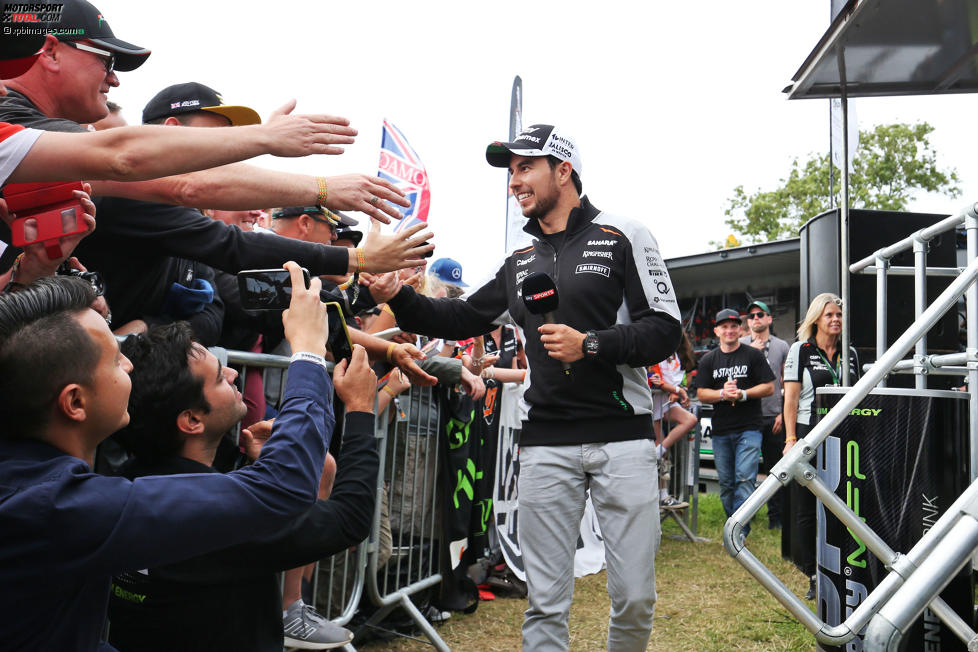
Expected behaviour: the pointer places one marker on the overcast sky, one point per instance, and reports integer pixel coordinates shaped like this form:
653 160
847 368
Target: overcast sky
672 104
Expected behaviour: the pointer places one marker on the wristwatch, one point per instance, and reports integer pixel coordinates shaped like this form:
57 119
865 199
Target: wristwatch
590 344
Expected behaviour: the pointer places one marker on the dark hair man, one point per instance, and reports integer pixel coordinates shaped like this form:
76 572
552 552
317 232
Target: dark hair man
775 349
183 402
64 388
734 377
593 426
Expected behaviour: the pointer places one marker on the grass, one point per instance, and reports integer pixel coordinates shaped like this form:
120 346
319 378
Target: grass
707 602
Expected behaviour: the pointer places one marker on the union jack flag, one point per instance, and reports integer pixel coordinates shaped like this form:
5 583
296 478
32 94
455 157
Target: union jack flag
400 165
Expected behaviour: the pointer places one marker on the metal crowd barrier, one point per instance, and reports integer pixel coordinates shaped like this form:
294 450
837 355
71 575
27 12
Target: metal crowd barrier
401 557
916 578
684 478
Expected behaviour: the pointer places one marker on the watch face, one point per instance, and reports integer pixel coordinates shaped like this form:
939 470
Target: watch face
591 344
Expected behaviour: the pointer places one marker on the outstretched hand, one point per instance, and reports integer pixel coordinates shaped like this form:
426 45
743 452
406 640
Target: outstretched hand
370 195
385 253
404 357
302 135
472 384
384 287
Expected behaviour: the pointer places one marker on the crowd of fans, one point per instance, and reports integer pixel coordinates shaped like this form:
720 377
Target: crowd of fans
127 509
159 274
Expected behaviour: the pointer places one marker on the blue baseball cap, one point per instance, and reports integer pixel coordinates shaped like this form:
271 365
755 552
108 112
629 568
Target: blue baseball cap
447 270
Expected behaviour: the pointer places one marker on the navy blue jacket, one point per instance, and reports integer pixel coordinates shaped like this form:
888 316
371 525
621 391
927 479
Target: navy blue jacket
64 531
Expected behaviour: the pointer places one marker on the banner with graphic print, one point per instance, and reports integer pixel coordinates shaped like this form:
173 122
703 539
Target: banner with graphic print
589 557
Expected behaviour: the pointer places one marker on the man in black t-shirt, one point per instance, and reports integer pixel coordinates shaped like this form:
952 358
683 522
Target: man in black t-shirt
734 378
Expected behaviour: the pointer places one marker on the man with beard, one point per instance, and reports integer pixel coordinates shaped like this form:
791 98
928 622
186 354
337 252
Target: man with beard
589 427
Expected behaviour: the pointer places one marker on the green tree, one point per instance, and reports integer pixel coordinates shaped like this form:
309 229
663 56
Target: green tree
891 164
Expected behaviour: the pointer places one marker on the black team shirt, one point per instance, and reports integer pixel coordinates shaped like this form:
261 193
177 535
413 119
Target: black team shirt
748 367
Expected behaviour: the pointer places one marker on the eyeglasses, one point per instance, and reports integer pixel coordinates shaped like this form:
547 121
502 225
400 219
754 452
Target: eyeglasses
332 227
755 315
107 58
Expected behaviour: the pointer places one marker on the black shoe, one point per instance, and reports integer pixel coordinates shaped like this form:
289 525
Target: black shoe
774 525
811 588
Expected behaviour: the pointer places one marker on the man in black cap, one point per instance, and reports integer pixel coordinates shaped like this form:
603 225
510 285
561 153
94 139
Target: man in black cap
195 105
153 238
589 427
68 85
132 154
310 223
734 377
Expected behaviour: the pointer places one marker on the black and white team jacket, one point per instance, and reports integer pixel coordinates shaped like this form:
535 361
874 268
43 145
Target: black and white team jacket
610 279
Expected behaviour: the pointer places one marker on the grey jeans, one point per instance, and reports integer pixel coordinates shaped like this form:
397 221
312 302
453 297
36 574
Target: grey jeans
622 477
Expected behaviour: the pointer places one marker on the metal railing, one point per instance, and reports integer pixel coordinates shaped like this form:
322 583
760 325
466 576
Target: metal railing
915 578
408 484
684 477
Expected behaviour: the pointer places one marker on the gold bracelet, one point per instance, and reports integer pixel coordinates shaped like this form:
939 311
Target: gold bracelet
323 194
390 349
361 260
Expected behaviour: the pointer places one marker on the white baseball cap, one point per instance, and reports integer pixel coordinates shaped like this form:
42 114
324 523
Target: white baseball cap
536 140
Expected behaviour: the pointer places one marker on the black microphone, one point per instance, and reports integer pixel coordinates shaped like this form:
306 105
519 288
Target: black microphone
540 298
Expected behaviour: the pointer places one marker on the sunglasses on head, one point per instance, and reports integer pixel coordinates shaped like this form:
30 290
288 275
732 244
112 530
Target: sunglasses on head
106 57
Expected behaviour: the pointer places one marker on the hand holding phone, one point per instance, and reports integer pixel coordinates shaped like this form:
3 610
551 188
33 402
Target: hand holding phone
338 342
268 289
306 325
46 212
355 382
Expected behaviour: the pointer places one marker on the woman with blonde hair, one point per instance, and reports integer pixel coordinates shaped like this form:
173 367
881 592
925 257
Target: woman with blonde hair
814 361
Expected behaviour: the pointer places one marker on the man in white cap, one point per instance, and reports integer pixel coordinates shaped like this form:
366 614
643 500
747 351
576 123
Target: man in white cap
589 427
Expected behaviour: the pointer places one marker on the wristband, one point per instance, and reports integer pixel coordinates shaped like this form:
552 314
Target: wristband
387 388
309 357
523 377
361 260
390 349
323 193
790 439
743 395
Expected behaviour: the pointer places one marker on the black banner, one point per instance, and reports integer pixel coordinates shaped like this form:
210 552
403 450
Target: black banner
898 461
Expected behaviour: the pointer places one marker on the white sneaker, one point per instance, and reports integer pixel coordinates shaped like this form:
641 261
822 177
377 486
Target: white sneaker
305 629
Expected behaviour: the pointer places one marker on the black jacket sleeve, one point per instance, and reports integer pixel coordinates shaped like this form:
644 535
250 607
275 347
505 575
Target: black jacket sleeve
186 233
454 319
